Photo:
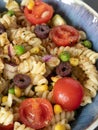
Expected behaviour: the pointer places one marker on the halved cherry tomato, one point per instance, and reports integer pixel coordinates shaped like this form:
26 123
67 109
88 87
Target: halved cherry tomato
36 112
7 127
40 13
64 35
68 93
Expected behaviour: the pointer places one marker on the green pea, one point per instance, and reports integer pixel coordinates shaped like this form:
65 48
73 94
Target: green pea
11 13
19 49
87 44
11 90
64 56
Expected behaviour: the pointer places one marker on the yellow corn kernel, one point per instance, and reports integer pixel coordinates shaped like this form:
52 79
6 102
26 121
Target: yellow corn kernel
4 99
57 109
74 61
18 92
60 127
54 79
41 88
35 50
31 4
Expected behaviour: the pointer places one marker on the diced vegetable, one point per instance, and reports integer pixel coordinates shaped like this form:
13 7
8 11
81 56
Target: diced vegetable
59 127
31 4
57 20
18 92
87 44
4 99
68 93
35 50
64 56
57 109
74 61
19 49
11 90
11 13
41 88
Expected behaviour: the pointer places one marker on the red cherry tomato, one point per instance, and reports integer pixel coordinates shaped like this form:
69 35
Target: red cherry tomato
64 35
36 112
7 127
68 93
40 13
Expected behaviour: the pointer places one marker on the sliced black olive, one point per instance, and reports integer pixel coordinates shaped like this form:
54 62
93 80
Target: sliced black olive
2 28
22 80
42 31
64 69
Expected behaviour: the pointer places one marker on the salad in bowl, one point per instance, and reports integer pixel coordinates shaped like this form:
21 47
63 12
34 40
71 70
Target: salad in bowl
47 67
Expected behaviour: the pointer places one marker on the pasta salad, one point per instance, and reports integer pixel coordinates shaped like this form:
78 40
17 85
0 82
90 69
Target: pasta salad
47 68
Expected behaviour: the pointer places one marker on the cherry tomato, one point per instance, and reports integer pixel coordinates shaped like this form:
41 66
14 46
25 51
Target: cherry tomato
7 127
40 13
68 93
64 35
36 112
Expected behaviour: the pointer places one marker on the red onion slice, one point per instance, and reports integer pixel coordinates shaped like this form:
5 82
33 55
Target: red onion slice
46 58
11 50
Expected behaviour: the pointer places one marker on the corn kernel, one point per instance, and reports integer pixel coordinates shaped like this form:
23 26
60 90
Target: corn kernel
60 127
4 99
31 4
35 50
57 109
74 61
41 88
54 79
18 92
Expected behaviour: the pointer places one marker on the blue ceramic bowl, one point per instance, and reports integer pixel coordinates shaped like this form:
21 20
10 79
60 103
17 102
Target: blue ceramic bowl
82 16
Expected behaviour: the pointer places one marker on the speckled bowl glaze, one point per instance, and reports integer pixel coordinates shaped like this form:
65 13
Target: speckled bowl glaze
81 16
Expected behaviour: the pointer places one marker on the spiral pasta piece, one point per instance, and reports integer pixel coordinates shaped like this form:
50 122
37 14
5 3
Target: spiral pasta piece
91 84
38 68
28 91
89 70
1 65
38 79
24 35
90 54
4 40
3 83
25 56
62 118
72 50
18 126
76 51
31 65
25 66
6 116
46 94
86 98
64 115
12 5
8 22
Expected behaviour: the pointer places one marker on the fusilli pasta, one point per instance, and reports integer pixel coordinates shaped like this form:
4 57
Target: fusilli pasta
30 67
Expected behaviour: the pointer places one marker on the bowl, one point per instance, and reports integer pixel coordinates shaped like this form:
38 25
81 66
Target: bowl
80 15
